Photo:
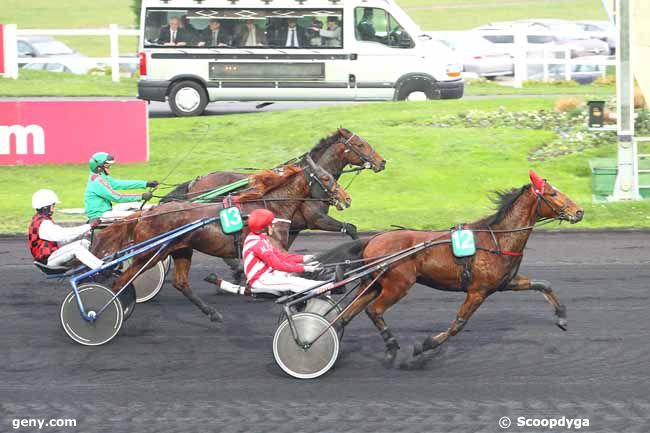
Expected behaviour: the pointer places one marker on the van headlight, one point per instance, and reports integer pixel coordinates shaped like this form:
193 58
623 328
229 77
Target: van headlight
453 70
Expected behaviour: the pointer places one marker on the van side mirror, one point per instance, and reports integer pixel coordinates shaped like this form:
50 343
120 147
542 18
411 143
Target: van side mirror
405 41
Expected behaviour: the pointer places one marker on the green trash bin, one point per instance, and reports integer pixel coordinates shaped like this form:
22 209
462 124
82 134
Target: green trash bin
603 177
644 178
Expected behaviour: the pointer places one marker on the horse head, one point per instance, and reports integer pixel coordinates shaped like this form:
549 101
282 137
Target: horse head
554 204
359 152
323 185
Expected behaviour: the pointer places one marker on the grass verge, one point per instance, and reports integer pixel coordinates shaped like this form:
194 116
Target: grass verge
435 177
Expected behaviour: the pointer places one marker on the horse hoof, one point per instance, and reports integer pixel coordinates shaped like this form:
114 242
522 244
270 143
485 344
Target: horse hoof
562 324
415 363
417 349
389 360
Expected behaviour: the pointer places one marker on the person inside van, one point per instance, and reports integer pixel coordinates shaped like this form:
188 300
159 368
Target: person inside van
214 35
174 35
313 33
365 27
293 36
191 31
251 35
331 36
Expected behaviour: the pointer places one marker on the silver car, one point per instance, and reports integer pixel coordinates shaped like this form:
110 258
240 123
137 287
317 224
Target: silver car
477 55
67 59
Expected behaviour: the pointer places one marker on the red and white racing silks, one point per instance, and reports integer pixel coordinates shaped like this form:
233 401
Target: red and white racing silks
261 257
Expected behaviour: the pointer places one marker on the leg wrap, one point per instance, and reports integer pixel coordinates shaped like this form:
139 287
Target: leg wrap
391 342
541 286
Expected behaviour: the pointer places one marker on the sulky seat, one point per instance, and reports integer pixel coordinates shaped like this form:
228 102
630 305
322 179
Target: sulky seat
51 270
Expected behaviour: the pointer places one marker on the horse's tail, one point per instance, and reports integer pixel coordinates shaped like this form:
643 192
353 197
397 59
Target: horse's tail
178 193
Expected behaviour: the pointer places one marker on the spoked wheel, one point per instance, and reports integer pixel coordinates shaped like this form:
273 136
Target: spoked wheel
306 363
128 300
149 283
99 331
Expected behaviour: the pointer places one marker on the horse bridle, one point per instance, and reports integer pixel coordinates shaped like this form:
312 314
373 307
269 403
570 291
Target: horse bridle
332 189
367 161
560 213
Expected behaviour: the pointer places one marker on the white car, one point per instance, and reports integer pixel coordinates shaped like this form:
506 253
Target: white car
476 54
603 30
545 34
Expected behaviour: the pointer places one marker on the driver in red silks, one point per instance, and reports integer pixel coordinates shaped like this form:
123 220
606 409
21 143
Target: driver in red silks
269 269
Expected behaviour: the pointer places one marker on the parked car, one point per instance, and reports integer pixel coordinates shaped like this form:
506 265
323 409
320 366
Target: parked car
566 34
476 54
582 74
603 30
45 46
553 35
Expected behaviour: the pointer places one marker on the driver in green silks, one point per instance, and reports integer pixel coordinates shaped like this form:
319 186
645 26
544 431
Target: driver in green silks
101 189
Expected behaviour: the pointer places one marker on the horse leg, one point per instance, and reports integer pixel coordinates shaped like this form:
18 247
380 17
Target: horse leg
521 283
473 300
387 298
182 263
359 304
322 221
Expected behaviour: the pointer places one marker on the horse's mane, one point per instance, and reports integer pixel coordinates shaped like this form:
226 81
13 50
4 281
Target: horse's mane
503 200
324 144
266 181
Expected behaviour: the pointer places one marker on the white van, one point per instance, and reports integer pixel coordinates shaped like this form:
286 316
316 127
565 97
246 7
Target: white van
193 52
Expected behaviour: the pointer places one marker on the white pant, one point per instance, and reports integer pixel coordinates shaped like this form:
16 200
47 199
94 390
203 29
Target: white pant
77 249
122 210
278 283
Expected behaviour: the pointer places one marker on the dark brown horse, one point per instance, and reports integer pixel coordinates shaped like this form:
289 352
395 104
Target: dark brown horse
333 154
500 242
279 192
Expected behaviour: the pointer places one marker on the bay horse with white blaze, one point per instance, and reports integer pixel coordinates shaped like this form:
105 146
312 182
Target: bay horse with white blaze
500 240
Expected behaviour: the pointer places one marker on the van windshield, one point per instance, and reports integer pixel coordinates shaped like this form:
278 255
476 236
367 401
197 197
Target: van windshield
244 28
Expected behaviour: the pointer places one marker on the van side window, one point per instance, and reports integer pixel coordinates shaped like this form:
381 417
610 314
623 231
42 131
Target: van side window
244 28
377 25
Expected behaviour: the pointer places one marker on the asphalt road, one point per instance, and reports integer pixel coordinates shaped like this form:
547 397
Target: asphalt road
171 370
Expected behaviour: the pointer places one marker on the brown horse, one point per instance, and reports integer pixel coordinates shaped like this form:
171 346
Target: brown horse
500 240
332 153
280 192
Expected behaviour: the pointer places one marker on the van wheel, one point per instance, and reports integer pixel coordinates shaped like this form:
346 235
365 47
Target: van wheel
188 98
417 90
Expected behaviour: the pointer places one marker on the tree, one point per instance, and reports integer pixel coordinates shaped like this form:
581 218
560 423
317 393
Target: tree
136 7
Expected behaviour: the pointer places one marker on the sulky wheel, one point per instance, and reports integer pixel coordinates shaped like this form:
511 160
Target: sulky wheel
305 363
326 307
99 331
167 263
323 306
149 283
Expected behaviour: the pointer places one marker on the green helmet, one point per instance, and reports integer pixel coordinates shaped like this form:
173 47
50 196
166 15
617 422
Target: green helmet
98 159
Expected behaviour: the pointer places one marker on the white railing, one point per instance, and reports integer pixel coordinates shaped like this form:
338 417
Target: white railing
524 54
11 34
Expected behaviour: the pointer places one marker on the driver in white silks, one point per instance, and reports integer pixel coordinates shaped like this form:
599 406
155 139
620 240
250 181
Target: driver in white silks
269 269
53 245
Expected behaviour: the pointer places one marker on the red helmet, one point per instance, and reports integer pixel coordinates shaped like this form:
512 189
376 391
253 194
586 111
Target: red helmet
260 219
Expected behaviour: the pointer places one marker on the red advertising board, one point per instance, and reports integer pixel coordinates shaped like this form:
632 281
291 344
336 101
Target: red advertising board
2 50
68 132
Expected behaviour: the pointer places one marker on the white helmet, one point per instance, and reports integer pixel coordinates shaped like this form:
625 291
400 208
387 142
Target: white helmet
43 198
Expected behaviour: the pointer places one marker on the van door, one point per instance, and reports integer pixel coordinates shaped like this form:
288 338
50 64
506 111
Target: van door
385 52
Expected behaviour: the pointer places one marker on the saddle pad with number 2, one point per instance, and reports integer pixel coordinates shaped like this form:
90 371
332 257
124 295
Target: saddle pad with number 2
462 243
